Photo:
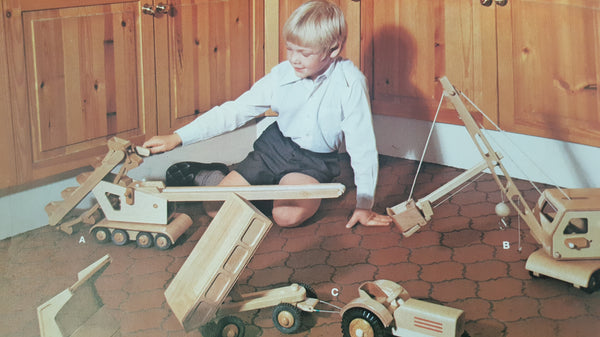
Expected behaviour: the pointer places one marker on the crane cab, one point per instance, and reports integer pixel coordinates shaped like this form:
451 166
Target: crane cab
571 218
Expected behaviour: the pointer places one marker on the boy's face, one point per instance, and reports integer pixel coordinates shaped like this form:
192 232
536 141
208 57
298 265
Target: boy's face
307 62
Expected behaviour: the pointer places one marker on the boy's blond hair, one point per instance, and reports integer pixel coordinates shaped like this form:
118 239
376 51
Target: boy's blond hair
317 24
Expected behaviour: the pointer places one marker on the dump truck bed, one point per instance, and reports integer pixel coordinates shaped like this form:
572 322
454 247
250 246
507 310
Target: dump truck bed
214 265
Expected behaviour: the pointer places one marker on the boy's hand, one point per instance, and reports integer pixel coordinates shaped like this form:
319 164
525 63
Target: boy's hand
367 217
159 144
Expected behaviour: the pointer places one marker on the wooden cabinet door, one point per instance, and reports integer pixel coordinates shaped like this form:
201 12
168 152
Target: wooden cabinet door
407 45
549 69
205 55
8 173
77 75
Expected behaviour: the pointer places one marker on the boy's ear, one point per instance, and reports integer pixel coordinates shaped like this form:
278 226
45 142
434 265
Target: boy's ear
335 50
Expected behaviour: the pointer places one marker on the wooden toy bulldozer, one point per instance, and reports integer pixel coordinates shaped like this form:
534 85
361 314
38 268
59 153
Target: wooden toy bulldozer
565 222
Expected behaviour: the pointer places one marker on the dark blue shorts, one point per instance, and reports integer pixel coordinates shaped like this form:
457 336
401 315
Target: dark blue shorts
275 155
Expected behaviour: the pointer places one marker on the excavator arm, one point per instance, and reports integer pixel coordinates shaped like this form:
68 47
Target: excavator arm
409 216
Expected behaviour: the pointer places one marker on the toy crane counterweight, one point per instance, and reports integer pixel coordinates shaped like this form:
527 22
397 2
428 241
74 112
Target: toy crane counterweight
565 222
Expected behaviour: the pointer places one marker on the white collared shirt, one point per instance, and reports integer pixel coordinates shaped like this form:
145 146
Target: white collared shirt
317 115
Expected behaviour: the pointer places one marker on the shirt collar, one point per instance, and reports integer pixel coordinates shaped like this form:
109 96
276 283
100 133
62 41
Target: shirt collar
290 76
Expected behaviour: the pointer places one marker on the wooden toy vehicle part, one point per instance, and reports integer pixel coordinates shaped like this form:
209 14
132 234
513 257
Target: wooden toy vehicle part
384 304
144 234
565 222
198 298
120 151
143 211
78 311
222 252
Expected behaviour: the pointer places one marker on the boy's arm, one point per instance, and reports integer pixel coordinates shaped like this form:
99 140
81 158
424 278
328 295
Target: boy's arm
360 145
218 120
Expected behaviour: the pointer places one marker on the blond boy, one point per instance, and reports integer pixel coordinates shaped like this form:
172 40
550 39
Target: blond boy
322 102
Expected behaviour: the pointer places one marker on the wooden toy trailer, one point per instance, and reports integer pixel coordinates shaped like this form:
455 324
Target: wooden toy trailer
383 304
200 291
78 311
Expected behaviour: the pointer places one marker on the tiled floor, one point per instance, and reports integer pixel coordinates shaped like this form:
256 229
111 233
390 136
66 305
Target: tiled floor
459 261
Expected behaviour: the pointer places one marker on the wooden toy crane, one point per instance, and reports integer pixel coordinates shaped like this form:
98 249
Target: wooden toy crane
144 211
565 222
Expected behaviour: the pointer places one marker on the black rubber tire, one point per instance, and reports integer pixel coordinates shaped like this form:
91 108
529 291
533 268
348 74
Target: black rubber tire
310 292
357 319
594 283
101 234
162 242
287 318
119 237
144 240
230 326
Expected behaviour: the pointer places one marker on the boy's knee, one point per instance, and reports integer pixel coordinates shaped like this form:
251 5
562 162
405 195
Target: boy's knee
284 218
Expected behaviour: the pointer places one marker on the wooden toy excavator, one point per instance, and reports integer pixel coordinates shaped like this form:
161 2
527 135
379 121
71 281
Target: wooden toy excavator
565 222
144 211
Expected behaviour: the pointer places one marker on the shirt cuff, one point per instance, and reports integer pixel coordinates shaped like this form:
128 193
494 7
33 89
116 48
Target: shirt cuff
364 201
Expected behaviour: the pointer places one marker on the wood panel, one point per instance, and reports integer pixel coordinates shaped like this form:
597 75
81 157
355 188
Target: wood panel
549 69
77 75
8 174
204 57
408 45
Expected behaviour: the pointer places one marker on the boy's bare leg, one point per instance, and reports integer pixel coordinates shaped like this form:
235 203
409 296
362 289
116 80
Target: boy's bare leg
231 179
291 213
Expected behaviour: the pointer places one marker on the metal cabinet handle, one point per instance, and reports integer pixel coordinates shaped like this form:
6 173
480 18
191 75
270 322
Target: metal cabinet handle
147 9
162 8
501 2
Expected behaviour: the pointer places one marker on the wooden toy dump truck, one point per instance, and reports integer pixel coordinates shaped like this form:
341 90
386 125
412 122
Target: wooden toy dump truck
200 292
565 222
383 305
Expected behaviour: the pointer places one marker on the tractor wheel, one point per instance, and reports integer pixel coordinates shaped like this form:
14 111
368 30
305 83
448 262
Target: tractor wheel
287 318
359 322
594 283
120 237
144 240
101 234
230 326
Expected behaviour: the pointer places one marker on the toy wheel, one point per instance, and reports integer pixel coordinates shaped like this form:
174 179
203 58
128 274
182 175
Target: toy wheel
101 234
310 292
594 283
120 237
144 240
162 242
358 322
230 326
287 318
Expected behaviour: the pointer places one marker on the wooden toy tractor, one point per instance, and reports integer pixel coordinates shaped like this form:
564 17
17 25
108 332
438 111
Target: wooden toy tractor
384 305
565 222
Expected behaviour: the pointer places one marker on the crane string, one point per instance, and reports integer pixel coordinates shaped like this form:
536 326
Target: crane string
426 146
503 133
